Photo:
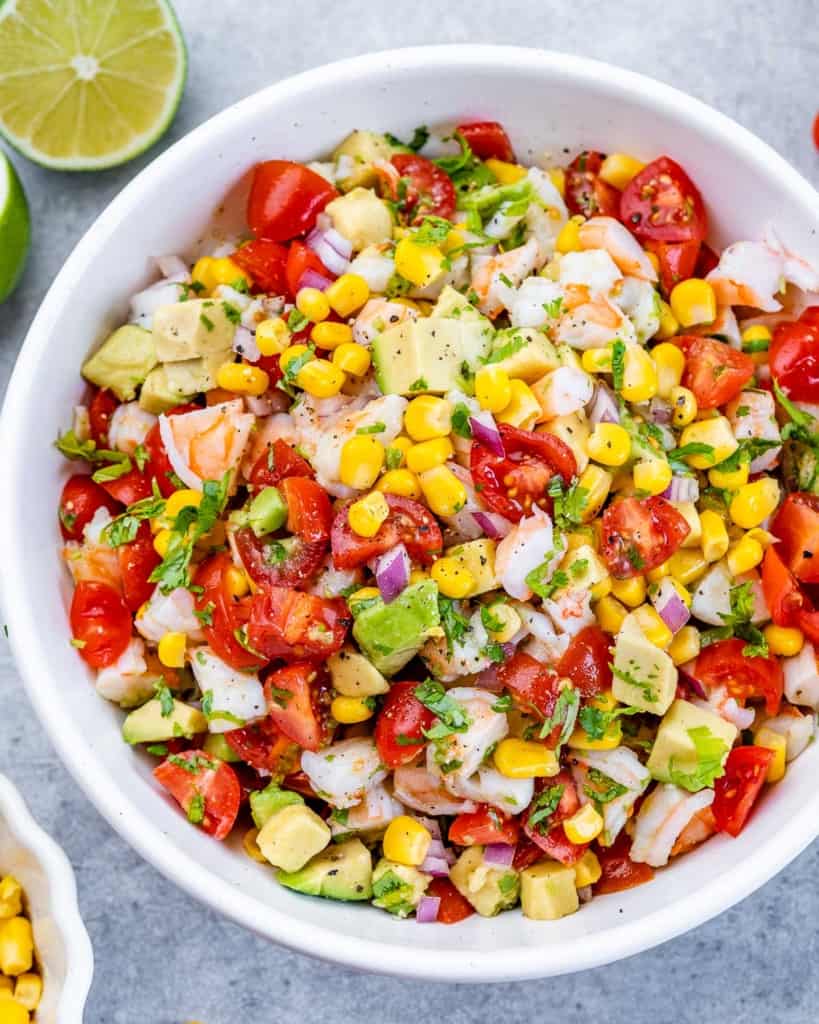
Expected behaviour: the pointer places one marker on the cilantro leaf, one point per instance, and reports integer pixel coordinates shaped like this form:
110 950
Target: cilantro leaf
124 527
450 714
618 364
460 420
543 807
711 751
454 625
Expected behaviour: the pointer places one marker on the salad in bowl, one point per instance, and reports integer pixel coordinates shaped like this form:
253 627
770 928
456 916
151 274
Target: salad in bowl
449 534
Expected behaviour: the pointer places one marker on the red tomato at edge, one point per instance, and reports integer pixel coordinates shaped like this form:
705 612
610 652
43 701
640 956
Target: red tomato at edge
639 535
399 730
482 827
794 357
586 192
736 791
102 407
285 199
453 906
661 203
100 621
137 560
797 526
714 371
587 662
620 872
488 140
207 790
265 262
724 664
80 499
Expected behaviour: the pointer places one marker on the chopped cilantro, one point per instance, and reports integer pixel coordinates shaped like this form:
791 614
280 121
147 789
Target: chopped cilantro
196 809
507 349
543 807
206 321
393 458
618 364
373 428
419 385
460 420
124 527
165 698
455 625
296 320
711 752
449 712
604 788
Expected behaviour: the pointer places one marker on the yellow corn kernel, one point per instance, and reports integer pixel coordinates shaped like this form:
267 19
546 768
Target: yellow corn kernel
580 739
523 410
292 353
419 264
348 293
242 379
321 378
362 459
16 946
161 542
182 499
506 619
609 444
597 483
272 336
568 239
601 588
453 579
639 375
631 591
717 434
352 358
653 627
313 304
731 479
587 870
659 573
784 640
224 271
525 759
685 565
28 990
492 388
754 502
610 614
596 360
619 168
669 325
171 649
12 1012
330 335
429 454
251 847
670 363
236 582
693 302
401 482
684 406
558 179
584 825
11 897
366 515
506 173
714 536
745 555
756 341
201 273
756 332
363 594
685 646
427 417
406 841
6 987
774 741
761 537
351 710
652 475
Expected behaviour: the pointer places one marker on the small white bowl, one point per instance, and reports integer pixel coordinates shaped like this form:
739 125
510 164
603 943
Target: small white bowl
63 948
547 101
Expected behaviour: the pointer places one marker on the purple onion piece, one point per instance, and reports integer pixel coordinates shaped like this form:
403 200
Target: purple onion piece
485 431
427 912
693 684
682 488
438 867
660 411
493 525
313 279
500 855
670 606
392 572
604 408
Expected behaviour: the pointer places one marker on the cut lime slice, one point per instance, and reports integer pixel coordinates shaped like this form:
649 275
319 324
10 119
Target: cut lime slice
86 84
14 228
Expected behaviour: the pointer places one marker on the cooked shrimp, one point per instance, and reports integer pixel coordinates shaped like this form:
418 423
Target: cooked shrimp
623 767
663 816
235 694
525 548
466 657
344 772
544 645
488 786
753 415
94 560
206 444
724 326
753 273
565 390
469 748
721 702
701 827
570 610
609 234
129 426
594 325
128 681
373 814
169 613
496 280
415 787
532 301
379 315
638 300
593 269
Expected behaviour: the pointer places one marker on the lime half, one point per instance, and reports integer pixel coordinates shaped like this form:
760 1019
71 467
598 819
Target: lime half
14 228
86 84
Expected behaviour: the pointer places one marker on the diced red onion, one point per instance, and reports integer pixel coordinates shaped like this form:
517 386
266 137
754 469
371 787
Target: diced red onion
488 680
603 406
585 893
427 911
685 677
435 866
499 855
682 488
313 279
244 342
493 525
440 852
392 572
660 411
332 249
485 431
431 825
670 606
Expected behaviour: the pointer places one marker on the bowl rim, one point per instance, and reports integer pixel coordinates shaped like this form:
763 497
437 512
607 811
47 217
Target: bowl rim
79 954
469 965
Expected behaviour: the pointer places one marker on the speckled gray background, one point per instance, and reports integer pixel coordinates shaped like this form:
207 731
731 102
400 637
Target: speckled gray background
160 957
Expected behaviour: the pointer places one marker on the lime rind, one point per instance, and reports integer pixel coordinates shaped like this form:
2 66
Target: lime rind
15 228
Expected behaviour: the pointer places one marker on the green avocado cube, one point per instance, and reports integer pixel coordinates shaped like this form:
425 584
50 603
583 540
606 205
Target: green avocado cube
174 384
122 362
156 721
431 355
490 889
197 327
292 836
264 803
391 634
548 891
343 871
691 746
398 888
644 676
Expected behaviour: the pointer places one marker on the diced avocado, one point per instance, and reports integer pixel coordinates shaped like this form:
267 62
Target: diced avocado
123 361
488 888
354 676
432 354
548 891
264 803
364 148
452 304
525 353
477 557
583 567
644 676
573 430
391 634
175 383
691 746
292 836
361 217
344 871
149 724
800 467
398 888
197 327
267 512
217 746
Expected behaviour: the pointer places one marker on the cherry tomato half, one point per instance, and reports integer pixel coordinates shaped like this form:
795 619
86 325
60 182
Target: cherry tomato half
533 686
263 747
399 730
285 199
409 523
548 833
271 562
221 614
102 407
285 623
586 192
453 907
714 371
131 487
300 259
736 791
794 357
100 623
797 526
206 789
587 662
80 499
265 262
678 261
137 560
639 535
484 826
279 462
309 513
724 664
298 700
430 191
488 140
619 871
661 203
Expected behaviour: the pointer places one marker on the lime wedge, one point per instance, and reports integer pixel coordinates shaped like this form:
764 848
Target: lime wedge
14 228
91 84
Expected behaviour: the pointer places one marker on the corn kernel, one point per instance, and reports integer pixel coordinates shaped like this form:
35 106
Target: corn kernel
652 475
492 388
505 619
211 272
320 378
631 591
658 574
684 406
348 293
729 479
162 541
313 304
330 335
182 499
714 536
427 417
619 168
251 847
693 302
610 614
242 379
756 338
362 459
753 503
745 555
236 582
171 649
670 363
12 1012
669 325
717 434
201 273
11 897
429 454
774 741
584 825
16 946
568 239
28 990
401 482
444 492
272 336
596 360
597 483
363 594
525 759
506 173
601 588
523 410
609 444
351 710
685 565
587 870
453 578
419 264
352 358
653 627
406 841
784 640
367 515
685 646
558 179
639 375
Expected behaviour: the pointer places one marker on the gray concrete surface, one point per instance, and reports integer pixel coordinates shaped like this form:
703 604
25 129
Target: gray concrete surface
163 959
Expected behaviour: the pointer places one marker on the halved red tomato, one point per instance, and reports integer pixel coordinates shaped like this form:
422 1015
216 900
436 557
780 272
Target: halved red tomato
488 140
533 685
285 623
130 487
263 747
678 261
137 560
587 662
736 791
223 616
783 595
309 514
300 259
430 191
794 357
290 562
279 462
512 484
399 729
453 907
640 534
206 789
663 204
80 499
797 526
285 199
102 407
100 623
724 664
548 833
586 192
619 871
409 523
714 371
484 826
298 699
264 261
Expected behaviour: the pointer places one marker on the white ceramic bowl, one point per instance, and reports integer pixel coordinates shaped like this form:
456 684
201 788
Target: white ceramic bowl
62 943
546 100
